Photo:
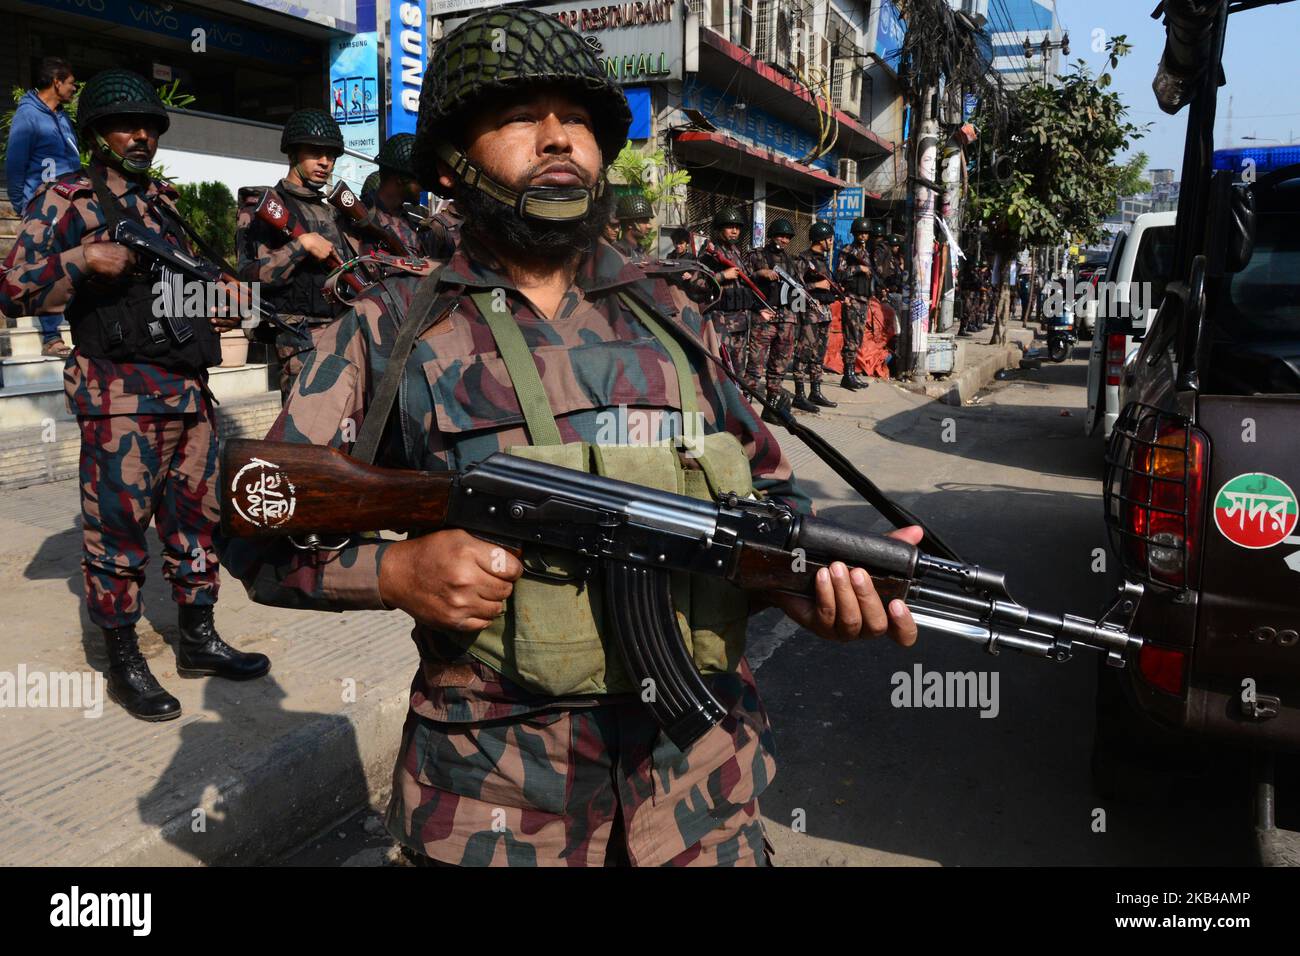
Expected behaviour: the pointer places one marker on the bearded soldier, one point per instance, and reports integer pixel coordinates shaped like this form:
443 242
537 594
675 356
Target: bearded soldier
292 272
857 278
137 381
634 216
396 187
815 317
524 744
735 311
771 341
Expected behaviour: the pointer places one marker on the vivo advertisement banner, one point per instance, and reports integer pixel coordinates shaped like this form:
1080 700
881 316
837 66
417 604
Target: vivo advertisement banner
890 31
354 102
408 52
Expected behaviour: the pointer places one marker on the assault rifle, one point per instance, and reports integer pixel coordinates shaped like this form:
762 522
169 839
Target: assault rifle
632 537
347 202
135 236
272 211
712 252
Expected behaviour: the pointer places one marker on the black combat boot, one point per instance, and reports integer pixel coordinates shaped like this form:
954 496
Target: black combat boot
850 382
130 681
862 380
817 398
800 402
200 651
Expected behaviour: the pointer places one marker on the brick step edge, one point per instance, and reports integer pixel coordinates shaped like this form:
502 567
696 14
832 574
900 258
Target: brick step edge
27 459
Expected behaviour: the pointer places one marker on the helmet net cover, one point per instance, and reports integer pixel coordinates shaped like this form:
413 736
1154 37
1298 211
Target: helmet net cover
119 93
503 50
781 227
395 154
311 127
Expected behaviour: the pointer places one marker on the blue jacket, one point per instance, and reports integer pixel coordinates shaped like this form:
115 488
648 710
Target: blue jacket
38 133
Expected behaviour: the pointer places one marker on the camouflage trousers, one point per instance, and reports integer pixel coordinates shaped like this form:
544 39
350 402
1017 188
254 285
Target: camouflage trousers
292 353
586 786
732 328
810 350
137 468
853 323
771 350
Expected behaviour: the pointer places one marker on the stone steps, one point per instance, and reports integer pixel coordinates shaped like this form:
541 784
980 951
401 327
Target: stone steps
32 404
34 454
26 342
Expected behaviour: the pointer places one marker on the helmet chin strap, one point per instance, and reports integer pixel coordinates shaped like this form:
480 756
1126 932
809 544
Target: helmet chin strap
130 165
305 179
547 203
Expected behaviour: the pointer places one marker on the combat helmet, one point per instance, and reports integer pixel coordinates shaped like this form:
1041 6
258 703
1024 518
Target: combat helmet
731 216
469 65
395 154
118 93
819 231
860 226
878 229
781 227
633 206
311 127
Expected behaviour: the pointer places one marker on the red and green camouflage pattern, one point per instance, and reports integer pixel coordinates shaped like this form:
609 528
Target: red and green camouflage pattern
814 323
137 468
148 437
456 407
731 324
771 341
47 265
396 221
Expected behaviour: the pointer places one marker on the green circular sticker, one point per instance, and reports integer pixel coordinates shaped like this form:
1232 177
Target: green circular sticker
1256 510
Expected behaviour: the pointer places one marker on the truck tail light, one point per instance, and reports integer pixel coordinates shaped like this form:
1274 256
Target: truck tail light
1114 358
1162 667
1155 495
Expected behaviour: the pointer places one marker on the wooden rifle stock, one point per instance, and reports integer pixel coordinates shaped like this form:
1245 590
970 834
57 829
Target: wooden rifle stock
711 250
347 202
282 488
272 211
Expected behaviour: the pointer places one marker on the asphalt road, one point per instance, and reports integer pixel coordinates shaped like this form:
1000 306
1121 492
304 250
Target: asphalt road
1012 482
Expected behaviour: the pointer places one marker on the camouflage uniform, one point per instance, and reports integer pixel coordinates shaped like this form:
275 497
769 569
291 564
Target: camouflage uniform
277 262
440 239
395 221
570 780
148 434
771 342
814 320
856 308
735 310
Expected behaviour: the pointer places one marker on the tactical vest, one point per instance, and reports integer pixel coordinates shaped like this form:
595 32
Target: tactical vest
857 283
302 293
553 638
120 322
736 296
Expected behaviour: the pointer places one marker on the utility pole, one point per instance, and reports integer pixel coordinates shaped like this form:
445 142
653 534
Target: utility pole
923 206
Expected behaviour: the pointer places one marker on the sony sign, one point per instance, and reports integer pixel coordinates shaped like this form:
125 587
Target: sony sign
407 55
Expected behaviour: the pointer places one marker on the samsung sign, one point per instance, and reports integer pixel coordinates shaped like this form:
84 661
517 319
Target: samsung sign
408 49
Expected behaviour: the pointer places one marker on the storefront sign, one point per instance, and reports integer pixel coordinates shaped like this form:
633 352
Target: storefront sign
408 49
635 42
166 20
890 31
354 102
752 125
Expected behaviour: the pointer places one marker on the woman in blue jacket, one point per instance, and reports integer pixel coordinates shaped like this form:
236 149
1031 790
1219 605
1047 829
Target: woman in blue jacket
42 147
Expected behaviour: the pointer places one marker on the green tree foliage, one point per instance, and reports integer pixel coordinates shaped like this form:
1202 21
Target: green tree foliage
1131 181
635 171
1055 173
210 209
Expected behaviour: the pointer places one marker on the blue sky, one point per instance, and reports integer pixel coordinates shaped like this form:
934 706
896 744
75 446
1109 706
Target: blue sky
1262 63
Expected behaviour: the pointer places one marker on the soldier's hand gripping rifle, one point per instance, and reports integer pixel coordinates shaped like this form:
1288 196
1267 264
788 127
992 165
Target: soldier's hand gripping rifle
272 211
716 255
347 202
632 537
254 313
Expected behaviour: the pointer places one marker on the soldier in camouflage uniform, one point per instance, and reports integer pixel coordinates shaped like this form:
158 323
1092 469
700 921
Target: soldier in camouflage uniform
634 215
771 341
292 272
137 383
856 276
815 316
735 311
499 764
396 186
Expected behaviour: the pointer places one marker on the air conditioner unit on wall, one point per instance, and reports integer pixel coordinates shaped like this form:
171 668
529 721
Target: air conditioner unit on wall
848 171
846 86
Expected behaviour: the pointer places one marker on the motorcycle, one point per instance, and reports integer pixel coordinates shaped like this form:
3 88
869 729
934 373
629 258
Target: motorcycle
1061 335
